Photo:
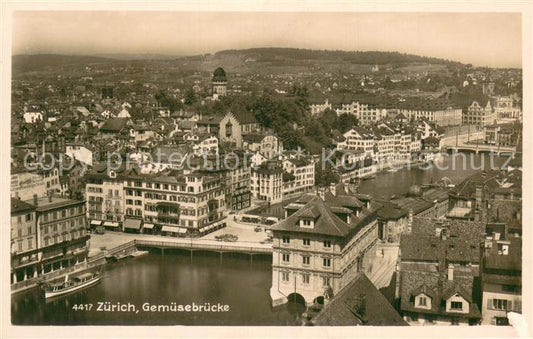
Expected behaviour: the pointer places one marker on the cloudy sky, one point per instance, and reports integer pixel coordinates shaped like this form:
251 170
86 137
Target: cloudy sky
483 39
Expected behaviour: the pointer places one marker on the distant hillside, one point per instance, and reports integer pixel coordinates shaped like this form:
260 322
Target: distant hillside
357 57
25 63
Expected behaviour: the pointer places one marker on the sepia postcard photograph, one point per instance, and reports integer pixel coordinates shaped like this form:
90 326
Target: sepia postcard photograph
244 171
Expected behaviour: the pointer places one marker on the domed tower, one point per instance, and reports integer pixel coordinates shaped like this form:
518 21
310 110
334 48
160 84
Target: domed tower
219 83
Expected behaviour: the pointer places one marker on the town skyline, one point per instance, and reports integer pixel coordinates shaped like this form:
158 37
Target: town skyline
462 37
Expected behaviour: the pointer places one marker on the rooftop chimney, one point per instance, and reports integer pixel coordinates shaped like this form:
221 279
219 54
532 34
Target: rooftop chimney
35 200
450 272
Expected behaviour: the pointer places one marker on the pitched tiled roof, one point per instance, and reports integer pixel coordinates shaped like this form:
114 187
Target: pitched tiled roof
462 241
346 307
327 223
18 206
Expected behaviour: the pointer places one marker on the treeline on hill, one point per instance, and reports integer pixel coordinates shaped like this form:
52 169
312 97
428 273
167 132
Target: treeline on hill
356 57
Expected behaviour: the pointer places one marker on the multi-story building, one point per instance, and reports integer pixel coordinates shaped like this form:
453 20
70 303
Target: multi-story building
173 201
319 107
439 112
366 113
505 110
358 138
25 184
438 264
480 113
501 279
105 198
321 246
302 172
23 227
60 237
267 182
501 134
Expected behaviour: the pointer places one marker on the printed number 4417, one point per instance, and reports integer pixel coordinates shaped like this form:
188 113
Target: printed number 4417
82 307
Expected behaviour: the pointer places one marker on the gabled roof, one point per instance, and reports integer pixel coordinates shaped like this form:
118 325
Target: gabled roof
327 223
345 308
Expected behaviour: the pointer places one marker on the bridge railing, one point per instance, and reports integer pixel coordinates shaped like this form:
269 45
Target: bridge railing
203 246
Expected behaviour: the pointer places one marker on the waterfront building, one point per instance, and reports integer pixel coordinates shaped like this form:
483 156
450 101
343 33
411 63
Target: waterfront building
23 227
358 138
105 198
267 182
173 201
321 245
438 272
505 135
60 237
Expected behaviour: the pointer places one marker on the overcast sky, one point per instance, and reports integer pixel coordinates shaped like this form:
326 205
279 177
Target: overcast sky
483 39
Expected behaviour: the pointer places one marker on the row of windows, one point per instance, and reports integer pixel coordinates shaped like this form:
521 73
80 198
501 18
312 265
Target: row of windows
306 279
50 216
306 242
306 260
63 226
65 237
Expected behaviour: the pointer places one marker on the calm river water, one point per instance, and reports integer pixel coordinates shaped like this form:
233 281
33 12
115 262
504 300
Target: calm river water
234 281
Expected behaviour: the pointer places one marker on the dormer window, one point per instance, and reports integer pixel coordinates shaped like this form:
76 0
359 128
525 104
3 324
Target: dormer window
307 223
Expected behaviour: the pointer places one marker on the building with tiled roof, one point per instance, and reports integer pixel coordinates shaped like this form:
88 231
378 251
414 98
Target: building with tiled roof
501 279
320 246
439 264
360 303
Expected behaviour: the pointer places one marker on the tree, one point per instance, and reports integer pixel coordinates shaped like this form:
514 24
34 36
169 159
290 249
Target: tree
190 97
325 176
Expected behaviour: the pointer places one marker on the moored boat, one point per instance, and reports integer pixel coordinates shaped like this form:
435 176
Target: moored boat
73 284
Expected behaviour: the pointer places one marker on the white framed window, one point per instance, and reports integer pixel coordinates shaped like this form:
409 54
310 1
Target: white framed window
326 281
307 242
285 276
286 239
327 243
285 257
456 305
306 260
422 301
326 262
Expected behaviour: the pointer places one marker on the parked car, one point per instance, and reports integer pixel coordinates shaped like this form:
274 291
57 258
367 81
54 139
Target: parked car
99 230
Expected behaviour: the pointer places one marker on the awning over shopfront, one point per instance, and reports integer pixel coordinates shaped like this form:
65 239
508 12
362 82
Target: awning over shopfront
132 224
148 226
182 230
169 229
96 222
113 224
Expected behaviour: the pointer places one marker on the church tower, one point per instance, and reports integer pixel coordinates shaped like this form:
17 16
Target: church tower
219 83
